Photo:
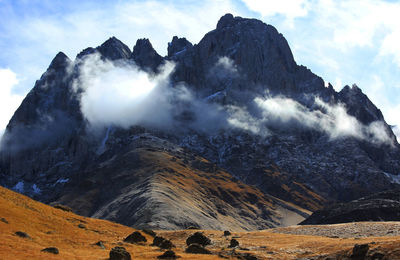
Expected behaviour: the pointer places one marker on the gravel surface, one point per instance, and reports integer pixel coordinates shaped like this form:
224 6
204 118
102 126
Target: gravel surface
348 230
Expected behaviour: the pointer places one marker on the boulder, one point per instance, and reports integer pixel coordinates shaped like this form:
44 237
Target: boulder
198 238
135 237
234 243
197 249
119 253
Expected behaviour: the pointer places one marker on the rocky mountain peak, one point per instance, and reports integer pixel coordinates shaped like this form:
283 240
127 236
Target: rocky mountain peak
114 49
178 45
359 105
145 56
60 61
226 20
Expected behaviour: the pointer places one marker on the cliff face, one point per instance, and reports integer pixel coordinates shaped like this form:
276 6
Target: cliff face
294 163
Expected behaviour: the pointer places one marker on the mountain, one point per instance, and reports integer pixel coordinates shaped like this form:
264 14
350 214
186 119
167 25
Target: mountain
233 133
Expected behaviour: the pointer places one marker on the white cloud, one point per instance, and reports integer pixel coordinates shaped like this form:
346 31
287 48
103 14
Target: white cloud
9 101
286 113
122 94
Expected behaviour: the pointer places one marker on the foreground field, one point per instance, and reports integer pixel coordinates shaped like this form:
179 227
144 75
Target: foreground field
75 237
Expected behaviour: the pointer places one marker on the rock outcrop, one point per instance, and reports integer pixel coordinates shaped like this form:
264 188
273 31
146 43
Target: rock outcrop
383 206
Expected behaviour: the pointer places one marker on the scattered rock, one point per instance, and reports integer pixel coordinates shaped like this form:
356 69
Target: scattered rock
4 220
100 244
234 243
227 233
52 250
22 234
162 243
168 255
135 237
63 207
119 253
81 226
360 251
197 249
198 238
149 232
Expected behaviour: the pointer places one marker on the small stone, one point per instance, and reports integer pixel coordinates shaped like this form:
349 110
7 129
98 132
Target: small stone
52 250
119 253
22 234
135 237
4 220
227 233
81 226
100 244
197 249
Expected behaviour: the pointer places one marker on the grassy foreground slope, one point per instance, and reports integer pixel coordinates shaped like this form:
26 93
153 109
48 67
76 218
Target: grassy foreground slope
75 237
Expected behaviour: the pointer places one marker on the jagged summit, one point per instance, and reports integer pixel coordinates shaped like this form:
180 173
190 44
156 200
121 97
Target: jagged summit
60 61
226 20
145 56
359 104
178 46
114 49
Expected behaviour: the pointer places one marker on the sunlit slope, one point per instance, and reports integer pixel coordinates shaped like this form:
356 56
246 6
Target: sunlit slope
152 184
75 237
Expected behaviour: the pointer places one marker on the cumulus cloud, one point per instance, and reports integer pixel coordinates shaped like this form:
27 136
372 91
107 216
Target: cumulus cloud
9 101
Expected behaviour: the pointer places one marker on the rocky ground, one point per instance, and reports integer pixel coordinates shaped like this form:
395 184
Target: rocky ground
348 230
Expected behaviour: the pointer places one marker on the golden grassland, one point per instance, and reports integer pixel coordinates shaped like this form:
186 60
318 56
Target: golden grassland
51 227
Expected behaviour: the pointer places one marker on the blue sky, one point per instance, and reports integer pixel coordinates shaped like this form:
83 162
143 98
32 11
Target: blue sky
344 42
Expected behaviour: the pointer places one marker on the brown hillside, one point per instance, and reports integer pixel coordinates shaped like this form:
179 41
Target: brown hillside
51 227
